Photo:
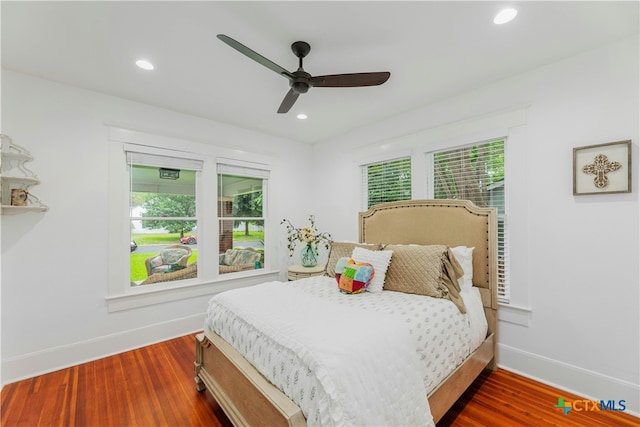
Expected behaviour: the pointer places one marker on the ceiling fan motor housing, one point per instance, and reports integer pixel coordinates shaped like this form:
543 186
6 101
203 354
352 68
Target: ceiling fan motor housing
302 82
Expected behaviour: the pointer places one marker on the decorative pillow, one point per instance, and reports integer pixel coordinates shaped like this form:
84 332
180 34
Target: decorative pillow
379 260
171 256
248 257
156 261
425 270
340 265
464 256
352 277
343 249
240 257
230 257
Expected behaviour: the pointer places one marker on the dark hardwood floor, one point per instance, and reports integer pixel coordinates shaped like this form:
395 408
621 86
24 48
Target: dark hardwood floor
153 386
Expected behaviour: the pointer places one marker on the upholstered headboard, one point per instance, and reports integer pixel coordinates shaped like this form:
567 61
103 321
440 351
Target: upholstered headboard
441 222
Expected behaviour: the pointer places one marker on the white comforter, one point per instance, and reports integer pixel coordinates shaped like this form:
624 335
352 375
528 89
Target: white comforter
365 363
442 336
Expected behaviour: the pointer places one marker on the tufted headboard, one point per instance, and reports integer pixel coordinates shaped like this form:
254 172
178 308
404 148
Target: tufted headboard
442 222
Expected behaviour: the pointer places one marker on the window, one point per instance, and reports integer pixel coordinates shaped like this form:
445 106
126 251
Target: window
164 218
387 181
163 191
476 172
162 215
241 217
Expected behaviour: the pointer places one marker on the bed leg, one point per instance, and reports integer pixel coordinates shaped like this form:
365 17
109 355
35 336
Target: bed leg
197 365
200 387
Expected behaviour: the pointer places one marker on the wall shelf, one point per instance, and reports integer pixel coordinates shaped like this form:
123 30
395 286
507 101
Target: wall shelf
21 180
14 210
16 178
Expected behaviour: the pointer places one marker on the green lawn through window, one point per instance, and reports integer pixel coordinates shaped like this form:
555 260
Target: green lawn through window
138 269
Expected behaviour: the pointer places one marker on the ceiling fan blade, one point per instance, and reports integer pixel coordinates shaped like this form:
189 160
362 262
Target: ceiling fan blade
288 101
255 56
350 80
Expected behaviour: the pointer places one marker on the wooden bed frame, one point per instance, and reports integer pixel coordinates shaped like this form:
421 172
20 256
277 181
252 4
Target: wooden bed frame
249 399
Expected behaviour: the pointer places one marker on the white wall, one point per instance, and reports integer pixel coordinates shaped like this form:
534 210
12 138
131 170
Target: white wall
55 264
575 271
575 277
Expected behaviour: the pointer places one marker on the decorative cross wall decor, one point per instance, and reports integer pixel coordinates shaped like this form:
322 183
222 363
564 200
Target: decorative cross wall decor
594 167
600 167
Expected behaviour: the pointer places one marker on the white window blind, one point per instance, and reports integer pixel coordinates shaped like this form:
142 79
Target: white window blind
237 170
476 172
387 181
173 162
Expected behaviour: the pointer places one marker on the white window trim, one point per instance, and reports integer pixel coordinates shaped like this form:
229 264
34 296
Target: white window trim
122 296
510 313
383 157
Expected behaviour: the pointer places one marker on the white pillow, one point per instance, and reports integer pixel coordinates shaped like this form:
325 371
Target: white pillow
380 261
464 255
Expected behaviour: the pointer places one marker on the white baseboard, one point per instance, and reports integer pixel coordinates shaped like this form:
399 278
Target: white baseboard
588 384
53 359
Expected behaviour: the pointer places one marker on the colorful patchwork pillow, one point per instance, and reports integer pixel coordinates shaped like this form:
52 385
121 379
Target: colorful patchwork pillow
353 277
343 249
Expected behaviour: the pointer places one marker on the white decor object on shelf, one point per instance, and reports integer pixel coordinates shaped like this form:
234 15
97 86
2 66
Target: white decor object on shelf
17 180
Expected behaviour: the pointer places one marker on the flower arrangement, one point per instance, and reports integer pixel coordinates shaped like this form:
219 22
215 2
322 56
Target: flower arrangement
310 235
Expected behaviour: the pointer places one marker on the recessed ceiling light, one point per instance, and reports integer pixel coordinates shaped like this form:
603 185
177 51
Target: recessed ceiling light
145 65
505 15
302 116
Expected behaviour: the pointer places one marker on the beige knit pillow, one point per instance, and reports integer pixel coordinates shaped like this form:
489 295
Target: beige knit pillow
425 270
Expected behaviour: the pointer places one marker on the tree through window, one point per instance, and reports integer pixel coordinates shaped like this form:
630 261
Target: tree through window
476 172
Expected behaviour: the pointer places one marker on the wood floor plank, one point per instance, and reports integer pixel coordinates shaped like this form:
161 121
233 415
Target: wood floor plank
505 399
153 386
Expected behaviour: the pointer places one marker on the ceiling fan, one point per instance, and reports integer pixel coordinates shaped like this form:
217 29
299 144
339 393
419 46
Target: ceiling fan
301 81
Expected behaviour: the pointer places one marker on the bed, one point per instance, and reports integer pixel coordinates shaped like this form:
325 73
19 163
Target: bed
248 398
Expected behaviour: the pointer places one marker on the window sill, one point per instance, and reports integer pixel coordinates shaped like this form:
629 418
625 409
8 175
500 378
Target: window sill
516 315
141 296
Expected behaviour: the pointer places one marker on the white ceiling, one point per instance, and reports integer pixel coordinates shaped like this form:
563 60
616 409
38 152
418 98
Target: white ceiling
433 50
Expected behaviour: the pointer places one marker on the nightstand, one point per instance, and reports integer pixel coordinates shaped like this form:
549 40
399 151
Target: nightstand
297 271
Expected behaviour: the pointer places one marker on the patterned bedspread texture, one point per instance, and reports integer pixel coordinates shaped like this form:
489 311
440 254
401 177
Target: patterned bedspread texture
365 359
